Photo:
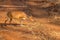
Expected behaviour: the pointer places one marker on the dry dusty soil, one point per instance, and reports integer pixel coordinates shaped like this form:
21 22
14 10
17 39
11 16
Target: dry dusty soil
30 20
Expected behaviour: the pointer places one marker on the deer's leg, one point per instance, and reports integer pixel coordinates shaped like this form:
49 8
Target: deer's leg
6 20
10 20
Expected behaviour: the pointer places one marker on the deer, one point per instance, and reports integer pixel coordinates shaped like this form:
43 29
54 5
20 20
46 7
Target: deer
17 16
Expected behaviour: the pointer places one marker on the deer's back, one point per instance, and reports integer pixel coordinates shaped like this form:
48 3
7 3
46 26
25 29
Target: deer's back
18 14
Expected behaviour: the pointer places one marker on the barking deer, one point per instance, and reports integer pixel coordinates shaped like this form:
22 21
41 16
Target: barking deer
17 16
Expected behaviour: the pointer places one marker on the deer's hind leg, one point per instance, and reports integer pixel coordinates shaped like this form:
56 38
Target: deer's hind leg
6 20
9 20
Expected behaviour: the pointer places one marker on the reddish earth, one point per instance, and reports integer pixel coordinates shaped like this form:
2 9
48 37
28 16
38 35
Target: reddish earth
32 23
